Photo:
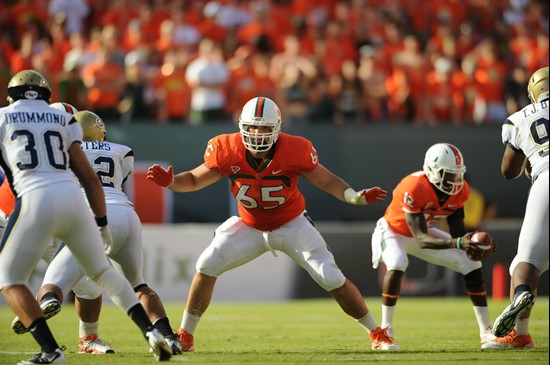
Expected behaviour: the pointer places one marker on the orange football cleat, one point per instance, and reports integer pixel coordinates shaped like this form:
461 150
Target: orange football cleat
187 341
382 341
509 341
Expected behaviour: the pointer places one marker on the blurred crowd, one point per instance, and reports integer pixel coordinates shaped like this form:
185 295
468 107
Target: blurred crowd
323 61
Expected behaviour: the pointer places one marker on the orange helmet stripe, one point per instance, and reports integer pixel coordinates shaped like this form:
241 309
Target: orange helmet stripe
457 154
259 111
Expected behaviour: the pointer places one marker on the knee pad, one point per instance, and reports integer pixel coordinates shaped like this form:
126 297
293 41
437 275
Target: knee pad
209 262
396 261
474 279
332 279
87 289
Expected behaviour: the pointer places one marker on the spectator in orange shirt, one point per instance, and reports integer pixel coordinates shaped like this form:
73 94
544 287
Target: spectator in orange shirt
438 96
464 92
172 94
105 82
334 48
373 72
208 27
261 26
25 12
246 79
490 78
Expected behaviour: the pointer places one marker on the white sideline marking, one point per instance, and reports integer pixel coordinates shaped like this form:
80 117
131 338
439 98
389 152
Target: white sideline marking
18 352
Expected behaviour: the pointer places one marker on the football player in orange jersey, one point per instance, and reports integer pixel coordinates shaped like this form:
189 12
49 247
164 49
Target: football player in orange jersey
420 199
263 165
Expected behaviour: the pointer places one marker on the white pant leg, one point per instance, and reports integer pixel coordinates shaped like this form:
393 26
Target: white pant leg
63 271
303 243
74 224
234 244
127 242
393 249
30 229
389 247
533 238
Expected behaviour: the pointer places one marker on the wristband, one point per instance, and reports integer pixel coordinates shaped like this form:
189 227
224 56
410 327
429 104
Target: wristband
101 221
458 242
350 196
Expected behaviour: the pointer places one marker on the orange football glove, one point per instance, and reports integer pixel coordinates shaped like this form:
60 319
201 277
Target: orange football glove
365 196
160 176
373 194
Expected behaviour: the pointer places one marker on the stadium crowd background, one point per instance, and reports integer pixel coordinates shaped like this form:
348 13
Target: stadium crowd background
322 61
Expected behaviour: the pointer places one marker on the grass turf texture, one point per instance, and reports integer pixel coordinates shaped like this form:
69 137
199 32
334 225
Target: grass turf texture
429 330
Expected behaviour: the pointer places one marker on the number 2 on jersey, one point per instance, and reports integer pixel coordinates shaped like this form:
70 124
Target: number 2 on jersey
105 170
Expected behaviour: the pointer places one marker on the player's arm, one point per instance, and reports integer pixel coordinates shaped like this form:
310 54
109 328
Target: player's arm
325 180
193 180
419 229
527 169
88 179
513 163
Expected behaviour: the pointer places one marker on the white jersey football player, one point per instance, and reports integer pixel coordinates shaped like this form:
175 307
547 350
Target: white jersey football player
525 134
113 163
44 164
87 293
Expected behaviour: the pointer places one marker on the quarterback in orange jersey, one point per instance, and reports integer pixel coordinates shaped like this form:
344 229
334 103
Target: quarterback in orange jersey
420 199
263 166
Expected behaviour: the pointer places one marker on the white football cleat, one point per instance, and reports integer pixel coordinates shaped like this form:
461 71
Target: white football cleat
157 343
56 357
504 323
486 337
94 345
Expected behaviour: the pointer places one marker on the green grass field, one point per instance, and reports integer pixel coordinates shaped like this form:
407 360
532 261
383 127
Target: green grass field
429 331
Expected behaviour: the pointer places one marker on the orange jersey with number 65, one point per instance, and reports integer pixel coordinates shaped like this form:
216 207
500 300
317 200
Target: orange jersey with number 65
267 190
415 194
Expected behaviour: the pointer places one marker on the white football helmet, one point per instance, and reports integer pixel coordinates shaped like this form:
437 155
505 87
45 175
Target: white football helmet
66 107
444 167
264 112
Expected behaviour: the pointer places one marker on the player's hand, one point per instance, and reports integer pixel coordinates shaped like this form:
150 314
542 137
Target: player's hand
107 238
160 176
365 196
476 251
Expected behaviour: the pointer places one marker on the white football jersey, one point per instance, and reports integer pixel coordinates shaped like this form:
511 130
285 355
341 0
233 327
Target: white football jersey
527 130
113 163
35 140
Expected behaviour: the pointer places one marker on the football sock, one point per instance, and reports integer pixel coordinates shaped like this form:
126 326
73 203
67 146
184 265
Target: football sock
49 294
163 325
482 316
86 329
387 316
189 322
367 322
138 315
42 334
521 288
522 327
